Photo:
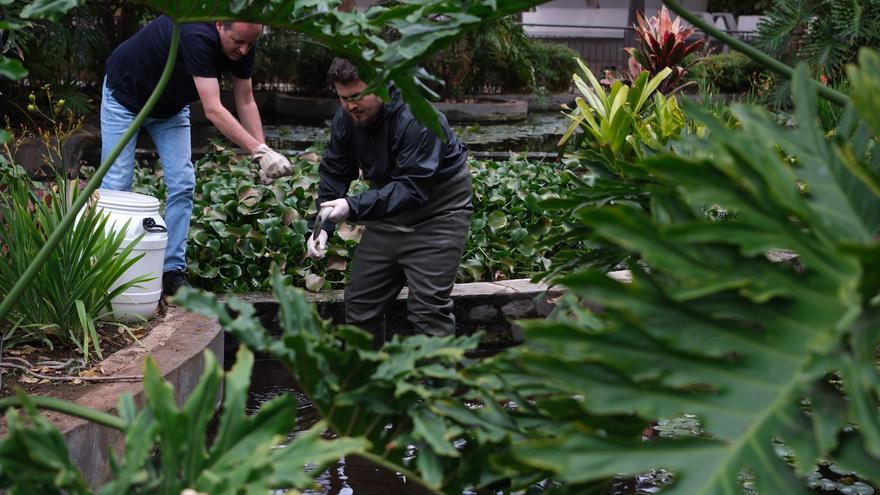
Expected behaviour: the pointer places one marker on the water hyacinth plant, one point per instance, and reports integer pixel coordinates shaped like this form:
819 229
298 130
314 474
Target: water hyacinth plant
244 226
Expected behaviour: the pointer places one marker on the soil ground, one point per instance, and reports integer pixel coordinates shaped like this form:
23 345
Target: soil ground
113 338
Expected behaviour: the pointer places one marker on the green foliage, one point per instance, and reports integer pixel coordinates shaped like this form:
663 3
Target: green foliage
34 456
418 385
730 72
240 227
663 45
289 58
608 132
827 34
74 288
243 226
714 328
509 229
611 120
865 90
495 58
768 357
553 64
385 42
501 59
70 55
243 457
15 16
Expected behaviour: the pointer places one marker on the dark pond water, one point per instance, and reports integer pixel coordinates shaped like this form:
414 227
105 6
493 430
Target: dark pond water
355 476
349 476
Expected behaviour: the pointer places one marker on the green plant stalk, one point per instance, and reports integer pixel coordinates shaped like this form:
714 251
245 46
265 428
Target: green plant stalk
762 58
35 266
69 408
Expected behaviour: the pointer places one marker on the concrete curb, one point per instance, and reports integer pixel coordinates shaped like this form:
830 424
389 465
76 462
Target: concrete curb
176 344
490 307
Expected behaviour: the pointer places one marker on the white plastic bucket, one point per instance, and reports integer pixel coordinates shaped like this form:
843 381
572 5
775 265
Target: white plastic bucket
142 214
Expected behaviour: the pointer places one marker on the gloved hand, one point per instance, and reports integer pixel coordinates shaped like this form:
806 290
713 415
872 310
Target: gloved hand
317 248
340 209
272 164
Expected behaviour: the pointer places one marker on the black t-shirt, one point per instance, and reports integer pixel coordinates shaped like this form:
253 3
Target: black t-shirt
134 67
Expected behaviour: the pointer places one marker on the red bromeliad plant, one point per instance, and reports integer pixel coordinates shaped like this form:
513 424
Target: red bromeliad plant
664 43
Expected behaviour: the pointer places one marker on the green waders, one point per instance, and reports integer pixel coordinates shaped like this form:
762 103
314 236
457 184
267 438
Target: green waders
421 249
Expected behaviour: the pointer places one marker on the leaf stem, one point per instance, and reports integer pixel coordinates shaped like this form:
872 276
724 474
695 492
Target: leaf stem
69 408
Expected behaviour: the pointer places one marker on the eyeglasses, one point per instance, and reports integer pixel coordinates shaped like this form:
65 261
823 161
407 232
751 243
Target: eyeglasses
351 98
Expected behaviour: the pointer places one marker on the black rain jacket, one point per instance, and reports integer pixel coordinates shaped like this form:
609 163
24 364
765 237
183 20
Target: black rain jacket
400 158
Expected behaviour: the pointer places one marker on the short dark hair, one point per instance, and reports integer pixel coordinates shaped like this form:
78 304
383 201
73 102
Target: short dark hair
342 71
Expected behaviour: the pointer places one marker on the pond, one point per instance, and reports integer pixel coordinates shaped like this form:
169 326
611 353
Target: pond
539 132
355 476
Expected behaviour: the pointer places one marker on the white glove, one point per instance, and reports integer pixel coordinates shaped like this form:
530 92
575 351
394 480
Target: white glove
272 163
317 248
340 209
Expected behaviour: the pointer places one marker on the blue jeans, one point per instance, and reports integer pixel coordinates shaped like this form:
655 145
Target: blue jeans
172 139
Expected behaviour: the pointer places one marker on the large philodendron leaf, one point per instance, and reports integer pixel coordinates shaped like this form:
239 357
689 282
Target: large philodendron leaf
408 384
419 28
245 453
711 326
34 458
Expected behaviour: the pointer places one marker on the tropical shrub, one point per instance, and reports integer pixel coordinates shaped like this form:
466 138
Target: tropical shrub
663 44
553 64
826 34
609 131
167 448
500 59
711 326
290 61
70 55
72 292
730 72
415 396
611 122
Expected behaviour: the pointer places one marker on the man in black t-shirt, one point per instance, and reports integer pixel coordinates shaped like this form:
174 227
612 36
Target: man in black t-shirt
206 51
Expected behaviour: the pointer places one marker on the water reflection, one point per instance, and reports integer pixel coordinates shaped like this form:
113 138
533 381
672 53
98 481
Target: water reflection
351 475
539 132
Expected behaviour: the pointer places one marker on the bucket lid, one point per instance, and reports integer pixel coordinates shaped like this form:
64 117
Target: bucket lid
127 200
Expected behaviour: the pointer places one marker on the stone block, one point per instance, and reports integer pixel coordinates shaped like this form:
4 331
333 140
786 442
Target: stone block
482 313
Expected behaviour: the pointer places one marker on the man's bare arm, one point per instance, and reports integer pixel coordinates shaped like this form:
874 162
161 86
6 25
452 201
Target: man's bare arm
246 107
209 94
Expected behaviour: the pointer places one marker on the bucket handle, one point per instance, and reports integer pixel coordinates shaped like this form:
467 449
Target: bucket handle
150 225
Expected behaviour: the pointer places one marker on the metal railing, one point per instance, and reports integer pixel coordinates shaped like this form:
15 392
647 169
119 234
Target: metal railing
602 47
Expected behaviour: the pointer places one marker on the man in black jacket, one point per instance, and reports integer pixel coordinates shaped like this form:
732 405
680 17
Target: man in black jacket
417 210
